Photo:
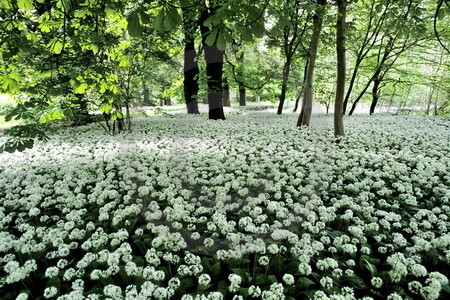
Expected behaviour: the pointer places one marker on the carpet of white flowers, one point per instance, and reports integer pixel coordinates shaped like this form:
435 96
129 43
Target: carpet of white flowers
247 208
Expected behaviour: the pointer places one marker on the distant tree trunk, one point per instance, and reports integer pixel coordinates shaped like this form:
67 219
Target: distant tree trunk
82 116
375 95
359 97
341 69
284 83
300 92
430 99
242 96
226 92
161 101
305 115
146 94
191 71
242 92
214 69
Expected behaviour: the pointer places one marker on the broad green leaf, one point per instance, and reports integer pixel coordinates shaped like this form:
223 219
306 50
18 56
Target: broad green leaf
81 89
246 34
221 43
173 18
304 282
158 23
212 37
116 115
134 25
25 4
56 47
9 84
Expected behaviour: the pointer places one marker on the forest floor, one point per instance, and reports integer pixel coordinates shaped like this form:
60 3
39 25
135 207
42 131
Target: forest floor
253 206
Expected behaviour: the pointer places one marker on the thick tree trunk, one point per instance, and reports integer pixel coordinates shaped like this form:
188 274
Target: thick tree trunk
305 115
214 70
191 71
226 92
341 69
242 96
284 83
375 95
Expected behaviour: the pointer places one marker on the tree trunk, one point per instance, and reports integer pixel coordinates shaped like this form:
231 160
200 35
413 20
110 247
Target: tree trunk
191 71
284 83
214 69
305 115
375 95
146 94
430 99
242 96
226 92
341 67
242 92
300 93
82 113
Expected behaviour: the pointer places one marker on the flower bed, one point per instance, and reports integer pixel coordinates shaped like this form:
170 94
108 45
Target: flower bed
247 208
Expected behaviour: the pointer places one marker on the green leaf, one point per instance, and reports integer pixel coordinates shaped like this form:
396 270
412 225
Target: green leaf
56 47
304 282
246 34
158 23
116 115
106 108
215 269
134 27
173 18
81 89
372 269
212 37
25 4
221 43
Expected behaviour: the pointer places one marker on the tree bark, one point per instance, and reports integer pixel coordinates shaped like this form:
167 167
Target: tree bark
242 92
226 92
214 69
375 95
300 93
341 69
430 99
284 83
305 115
146 94
191 71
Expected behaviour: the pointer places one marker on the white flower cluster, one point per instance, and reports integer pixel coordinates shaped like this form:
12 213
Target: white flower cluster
86 207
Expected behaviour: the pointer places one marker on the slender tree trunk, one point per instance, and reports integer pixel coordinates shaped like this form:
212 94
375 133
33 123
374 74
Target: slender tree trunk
226 92
377 72
341 67
242 91
375 95
191 71
300 93
284 83
350 86
214 69
305 115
